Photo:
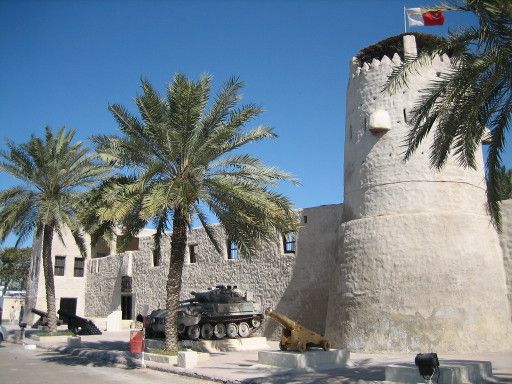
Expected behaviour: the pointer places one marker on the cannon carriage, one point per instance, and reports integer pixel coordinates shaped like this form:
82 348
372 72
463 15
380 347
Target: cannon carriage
295 336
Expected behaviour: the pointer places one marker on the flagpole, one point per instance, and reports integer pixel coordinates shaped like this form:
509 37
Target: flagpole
405 21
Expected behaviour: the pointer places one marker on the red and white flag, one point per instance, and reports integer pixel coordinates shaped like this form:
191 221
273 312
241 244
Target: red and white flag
423 17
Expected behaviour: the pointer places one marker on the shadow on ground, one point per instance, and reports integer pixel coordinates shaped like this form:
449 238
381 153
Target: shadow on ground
85 358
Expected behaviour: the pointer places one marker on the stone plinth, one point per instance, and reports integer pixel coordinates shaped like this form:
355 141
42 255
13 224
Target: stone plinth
171 360
211 346
187 359
312 360
74 342
450 372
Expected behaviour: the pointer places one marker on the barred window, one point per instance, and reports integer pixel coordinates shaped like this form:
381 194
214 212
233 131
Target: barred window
192 250
289 240
232 251
60 264
79 267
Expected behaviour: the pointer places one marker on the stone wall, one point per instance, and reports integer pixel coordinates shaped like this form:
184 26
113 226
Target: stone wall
296 284
419 265
67 286
506 245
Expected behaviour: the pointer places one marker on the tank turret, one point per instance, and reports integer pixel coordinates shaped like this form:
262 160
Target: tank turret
221 294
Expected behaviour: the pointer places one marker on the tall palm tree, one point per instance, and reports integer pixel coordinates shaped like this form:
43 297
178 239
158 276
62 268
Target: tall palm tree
54 173
185 159
475 94
504 183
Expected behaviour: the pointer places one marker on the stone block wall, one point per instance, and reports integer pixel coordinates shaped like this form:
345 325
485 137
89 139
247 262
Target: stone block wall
295 284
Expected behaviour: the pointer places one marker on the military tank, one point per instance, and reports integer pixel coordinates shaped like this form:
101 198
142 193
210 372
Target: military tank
218 313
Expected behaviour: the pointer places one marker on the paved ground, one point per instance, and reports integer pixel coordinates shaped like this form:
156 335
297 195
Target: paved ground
20 366
110 349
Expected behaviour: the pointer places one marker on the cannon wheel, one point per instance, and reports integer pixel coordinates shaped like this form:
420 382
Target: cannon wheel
243 329
232 330
207 331
301 347
282 346
326 345
193 332
219 331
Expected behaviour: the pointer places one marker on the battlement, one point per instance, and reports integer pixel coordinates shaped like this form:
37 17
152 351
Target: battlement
409 47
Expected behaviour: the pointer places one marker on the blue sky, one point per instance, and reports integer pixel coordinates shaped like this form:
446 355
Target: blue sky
63 62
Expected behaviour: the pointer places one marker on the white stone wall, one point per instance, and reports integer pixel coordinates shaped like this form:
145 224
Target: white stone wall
419 265
506 245
67 286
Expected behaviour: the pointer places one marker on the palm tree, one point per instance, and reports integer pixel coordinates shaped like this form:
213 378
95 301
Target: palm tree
475 94
504 183
185 159
14 267
54 173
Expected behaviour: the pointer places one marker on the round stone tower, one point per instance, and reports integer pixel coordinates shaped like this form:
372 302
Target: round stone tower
419 265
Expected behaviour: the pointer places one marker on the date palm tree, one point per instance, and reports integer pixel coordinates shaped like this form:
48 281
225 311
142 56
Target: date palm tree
54 173
477 92
504 183
184 159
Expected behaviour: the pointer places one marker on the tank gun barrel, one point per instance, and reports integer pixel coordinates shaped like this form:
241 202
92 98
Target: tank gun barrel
281 319
192 300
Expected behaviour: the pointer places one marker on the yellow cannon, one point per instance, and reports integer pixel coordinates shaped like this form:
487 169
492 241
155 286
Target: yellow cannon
295 336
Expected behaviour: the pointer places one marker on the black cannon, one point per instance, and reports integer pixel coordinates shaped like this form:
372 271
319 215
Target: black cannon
78 325
43 318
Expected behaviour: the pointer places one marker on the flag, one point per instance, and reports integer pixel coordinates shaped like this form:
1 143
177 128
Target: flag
421 16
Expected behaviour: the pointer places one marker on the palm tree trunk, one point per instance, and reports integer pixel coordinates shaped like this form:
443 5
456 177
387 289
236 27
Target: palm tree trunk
178 246
48 277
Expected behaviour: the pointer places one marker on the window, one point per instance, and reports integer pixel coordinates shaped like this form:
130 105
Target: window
192 250
232 251
79 267
126 284
156 258
60 263
289 240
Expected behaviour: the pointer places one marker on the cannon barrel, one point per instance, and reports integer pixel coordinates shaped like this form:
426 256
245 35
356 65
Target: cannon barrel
39 313
70 316
281 319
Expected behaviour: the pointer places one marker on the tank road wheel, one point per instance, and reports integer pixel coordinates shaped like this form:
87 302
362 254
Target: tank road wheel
207 331
256 322
193 332
301 347
282 346
181 328
219 331
243 329
326 345
232 330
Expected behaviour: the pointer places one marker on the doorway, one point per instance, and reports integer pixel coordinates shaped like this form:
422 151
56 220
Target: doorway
68 305
126 298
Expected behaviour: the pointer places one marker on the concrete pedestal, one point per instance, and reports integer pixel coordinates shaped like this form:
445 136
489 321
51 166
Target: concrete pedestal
211 346
74 342
451 372
312 360
187 359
